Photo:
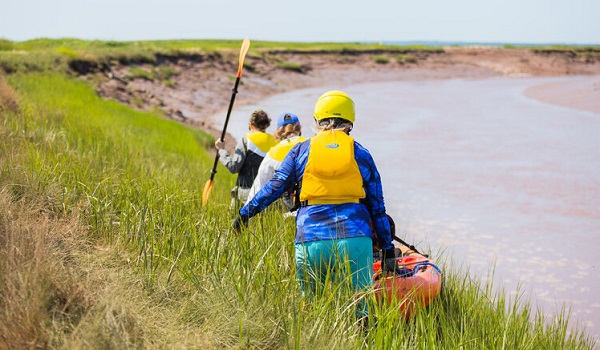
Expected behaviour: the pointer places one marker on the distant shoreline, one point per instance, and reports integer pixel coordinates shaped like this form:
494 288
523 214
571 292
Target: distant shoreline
480 44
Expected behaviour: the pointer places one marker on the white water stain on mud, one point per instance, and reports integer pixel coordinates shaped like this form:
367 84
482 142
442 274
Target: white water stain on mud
490 176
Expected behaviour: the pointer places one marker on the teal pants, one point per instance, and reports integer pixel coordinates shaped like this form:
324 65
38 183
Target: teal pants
337 260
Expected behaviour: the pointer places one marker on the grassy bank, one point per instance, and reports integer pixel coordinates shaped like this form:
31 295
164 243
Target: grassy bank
106 245
43 54
66 54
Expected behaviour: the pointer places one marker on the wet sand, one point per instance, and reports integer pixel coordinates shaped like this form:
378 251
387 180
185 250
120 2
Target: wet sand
583 93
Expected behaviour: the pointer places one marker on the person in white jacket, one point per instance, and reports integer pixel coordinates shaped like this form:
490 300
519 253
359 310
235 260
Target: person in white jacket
289 133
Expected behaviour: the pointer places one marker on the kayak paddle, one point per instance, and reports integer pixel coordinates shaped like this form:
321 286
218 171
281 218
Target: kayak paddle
399 240
209 183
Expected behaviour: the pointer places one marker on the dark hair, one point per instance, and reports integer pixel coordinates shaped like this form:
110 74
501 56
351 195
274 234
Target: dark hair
287 131
333 123
260 119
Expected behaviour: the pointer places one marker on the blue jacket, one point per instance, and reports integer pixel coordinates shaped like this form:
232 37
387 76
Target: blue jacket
329 221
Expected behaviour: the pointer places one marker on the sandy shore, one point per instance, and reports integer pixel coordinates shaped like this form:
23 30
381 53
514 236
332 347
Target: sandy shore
203 87
581 93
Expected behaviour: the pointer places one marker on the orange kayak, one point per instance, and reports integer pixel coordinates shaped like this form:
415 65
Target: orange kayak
418 281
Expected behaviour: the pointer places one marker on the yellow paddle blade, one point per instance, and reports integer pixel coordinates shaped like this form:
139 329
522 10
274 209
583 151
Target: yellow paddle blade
206 192
243 51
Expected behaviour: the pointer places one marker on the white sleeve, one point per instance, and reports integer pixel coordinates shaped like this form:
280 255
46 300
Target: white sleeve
267 168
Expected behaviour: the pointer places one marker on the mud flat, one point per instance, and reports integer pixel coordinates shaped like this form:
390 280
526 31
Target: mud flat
582 93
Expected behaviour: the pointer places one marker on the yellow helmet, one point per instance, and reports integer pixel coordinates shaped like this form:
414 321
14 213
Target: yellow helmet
335 104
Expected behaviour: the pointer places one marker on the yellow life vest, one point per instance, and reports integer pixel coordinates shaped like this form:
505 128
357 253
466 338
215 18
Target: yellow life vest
331 175
262 142
279 151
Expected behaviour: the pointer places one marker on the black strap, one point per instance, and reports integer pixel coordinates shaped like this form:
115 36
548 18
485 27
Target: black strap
297 203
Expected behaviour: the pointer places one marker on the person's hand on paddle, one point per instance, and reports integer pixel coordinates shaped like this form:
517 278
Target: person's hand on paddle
239 222
219 144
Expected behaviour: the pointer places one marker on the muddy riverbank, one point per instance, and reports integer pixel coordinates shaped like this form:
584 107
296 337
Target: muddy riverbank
192 89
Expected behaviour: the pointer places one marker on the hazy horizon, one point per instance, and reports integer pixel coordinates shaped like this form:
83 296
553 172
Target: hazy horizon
384 42
516 22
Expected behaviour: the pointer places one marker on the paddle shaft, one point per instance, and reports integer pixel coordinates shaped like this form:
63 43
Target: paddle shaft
409 246
234 92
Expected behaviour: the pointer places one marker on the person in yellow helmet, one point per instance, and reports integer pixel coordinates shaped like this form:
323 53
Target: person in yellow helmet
341 201
289 133
247 156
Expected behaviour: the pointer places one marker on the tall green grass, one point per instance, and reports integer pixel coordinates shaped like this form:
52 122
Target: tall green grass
132 182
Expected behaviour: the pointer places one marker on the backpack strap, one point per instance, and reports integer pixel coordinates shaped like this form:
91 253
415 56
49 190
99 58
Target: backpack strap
296 190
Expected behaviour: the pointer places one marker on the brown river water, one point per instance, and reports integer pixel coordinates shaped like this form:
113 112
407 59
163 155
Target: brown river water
483 177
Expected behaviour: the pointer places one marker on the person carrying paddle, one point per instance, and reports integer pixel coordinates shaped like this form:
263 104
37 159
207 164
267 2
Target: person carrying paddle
289 133
341 195
247 156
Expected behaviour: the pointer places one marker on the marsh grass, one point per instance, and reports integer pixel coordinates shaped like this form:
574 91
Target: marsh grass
161 73
380 59
292 66
8 96
106 245
402 59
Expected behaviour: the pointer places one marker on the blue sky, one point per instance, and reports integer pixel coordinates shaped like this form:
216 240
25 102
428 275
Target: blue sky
507 21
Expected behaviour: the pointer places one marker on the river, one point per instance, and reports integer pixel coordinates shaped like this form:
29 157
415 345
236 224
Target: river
500 185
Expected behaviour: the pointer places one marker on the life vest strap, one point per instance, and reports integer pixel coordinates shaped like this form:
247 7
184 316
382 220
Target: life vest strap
328 201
